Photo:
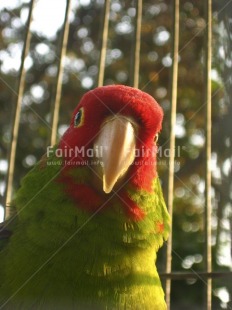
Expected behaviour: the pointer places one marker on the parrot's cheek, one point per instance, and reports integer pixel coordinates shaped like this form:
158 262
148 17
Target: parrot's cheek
115 150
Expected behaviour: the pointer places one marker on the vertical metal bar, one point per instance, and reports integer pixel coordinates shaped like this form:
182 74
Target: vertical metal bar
56 105
208 206
172 140
104 37
16 116
136 60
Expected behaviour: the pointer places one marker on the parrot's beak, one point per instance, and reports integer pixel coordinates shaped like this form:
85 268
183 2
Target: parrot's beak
115 148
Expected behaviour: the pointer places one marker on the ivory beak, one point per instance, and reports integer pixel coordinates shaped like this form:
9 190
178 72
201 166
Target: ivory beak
115 148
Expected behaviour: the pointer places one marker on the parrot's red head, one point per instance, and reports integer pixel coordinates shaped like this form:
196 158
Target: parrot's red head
113 131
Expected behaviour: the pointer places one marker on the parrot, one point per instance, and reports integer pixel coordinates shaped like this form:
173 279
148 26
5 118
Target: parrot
89 218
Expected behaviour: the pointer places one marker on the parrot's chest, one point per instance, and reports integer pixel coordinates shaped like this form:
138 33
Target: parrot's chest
86 272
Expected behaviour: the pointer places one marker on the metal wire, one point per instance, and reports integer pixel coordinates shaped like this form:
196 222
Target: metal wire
194 275
172 142
56 106
16 114
104 37
208 206
136 56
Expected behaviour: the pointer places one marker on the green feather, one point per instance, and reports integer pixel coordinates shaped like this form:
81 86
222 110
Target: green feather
62 257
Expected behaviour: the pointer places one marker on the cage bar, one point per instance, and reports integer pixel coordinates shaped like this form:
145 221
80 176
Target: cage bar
56 105
104 38
172 142
195 275
136 56
16 114
208 205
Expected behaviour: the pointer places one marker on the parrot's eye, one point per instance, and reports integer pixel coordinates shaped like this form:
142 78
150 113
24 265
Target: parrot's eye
156 138
79 118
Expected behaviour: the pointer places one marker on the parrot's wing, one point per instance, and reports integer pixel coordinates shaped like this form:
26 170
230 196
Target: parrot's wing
7 228
166 220
5 234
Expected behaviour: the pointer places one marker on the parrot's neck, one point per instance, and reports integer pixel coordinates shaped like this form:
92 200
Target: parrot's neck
119 231
83 187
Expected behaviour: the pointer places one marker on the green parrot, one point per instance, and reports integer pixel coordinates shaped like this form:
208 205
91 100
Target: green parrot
90 216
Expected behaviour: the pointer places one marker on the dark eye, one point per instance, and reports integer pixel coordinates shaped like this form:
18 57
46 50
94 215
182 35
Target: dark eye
156 138
78 119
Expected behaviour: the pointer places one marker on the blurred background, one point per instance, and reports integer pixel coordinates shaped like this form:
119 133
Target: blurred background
81 67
